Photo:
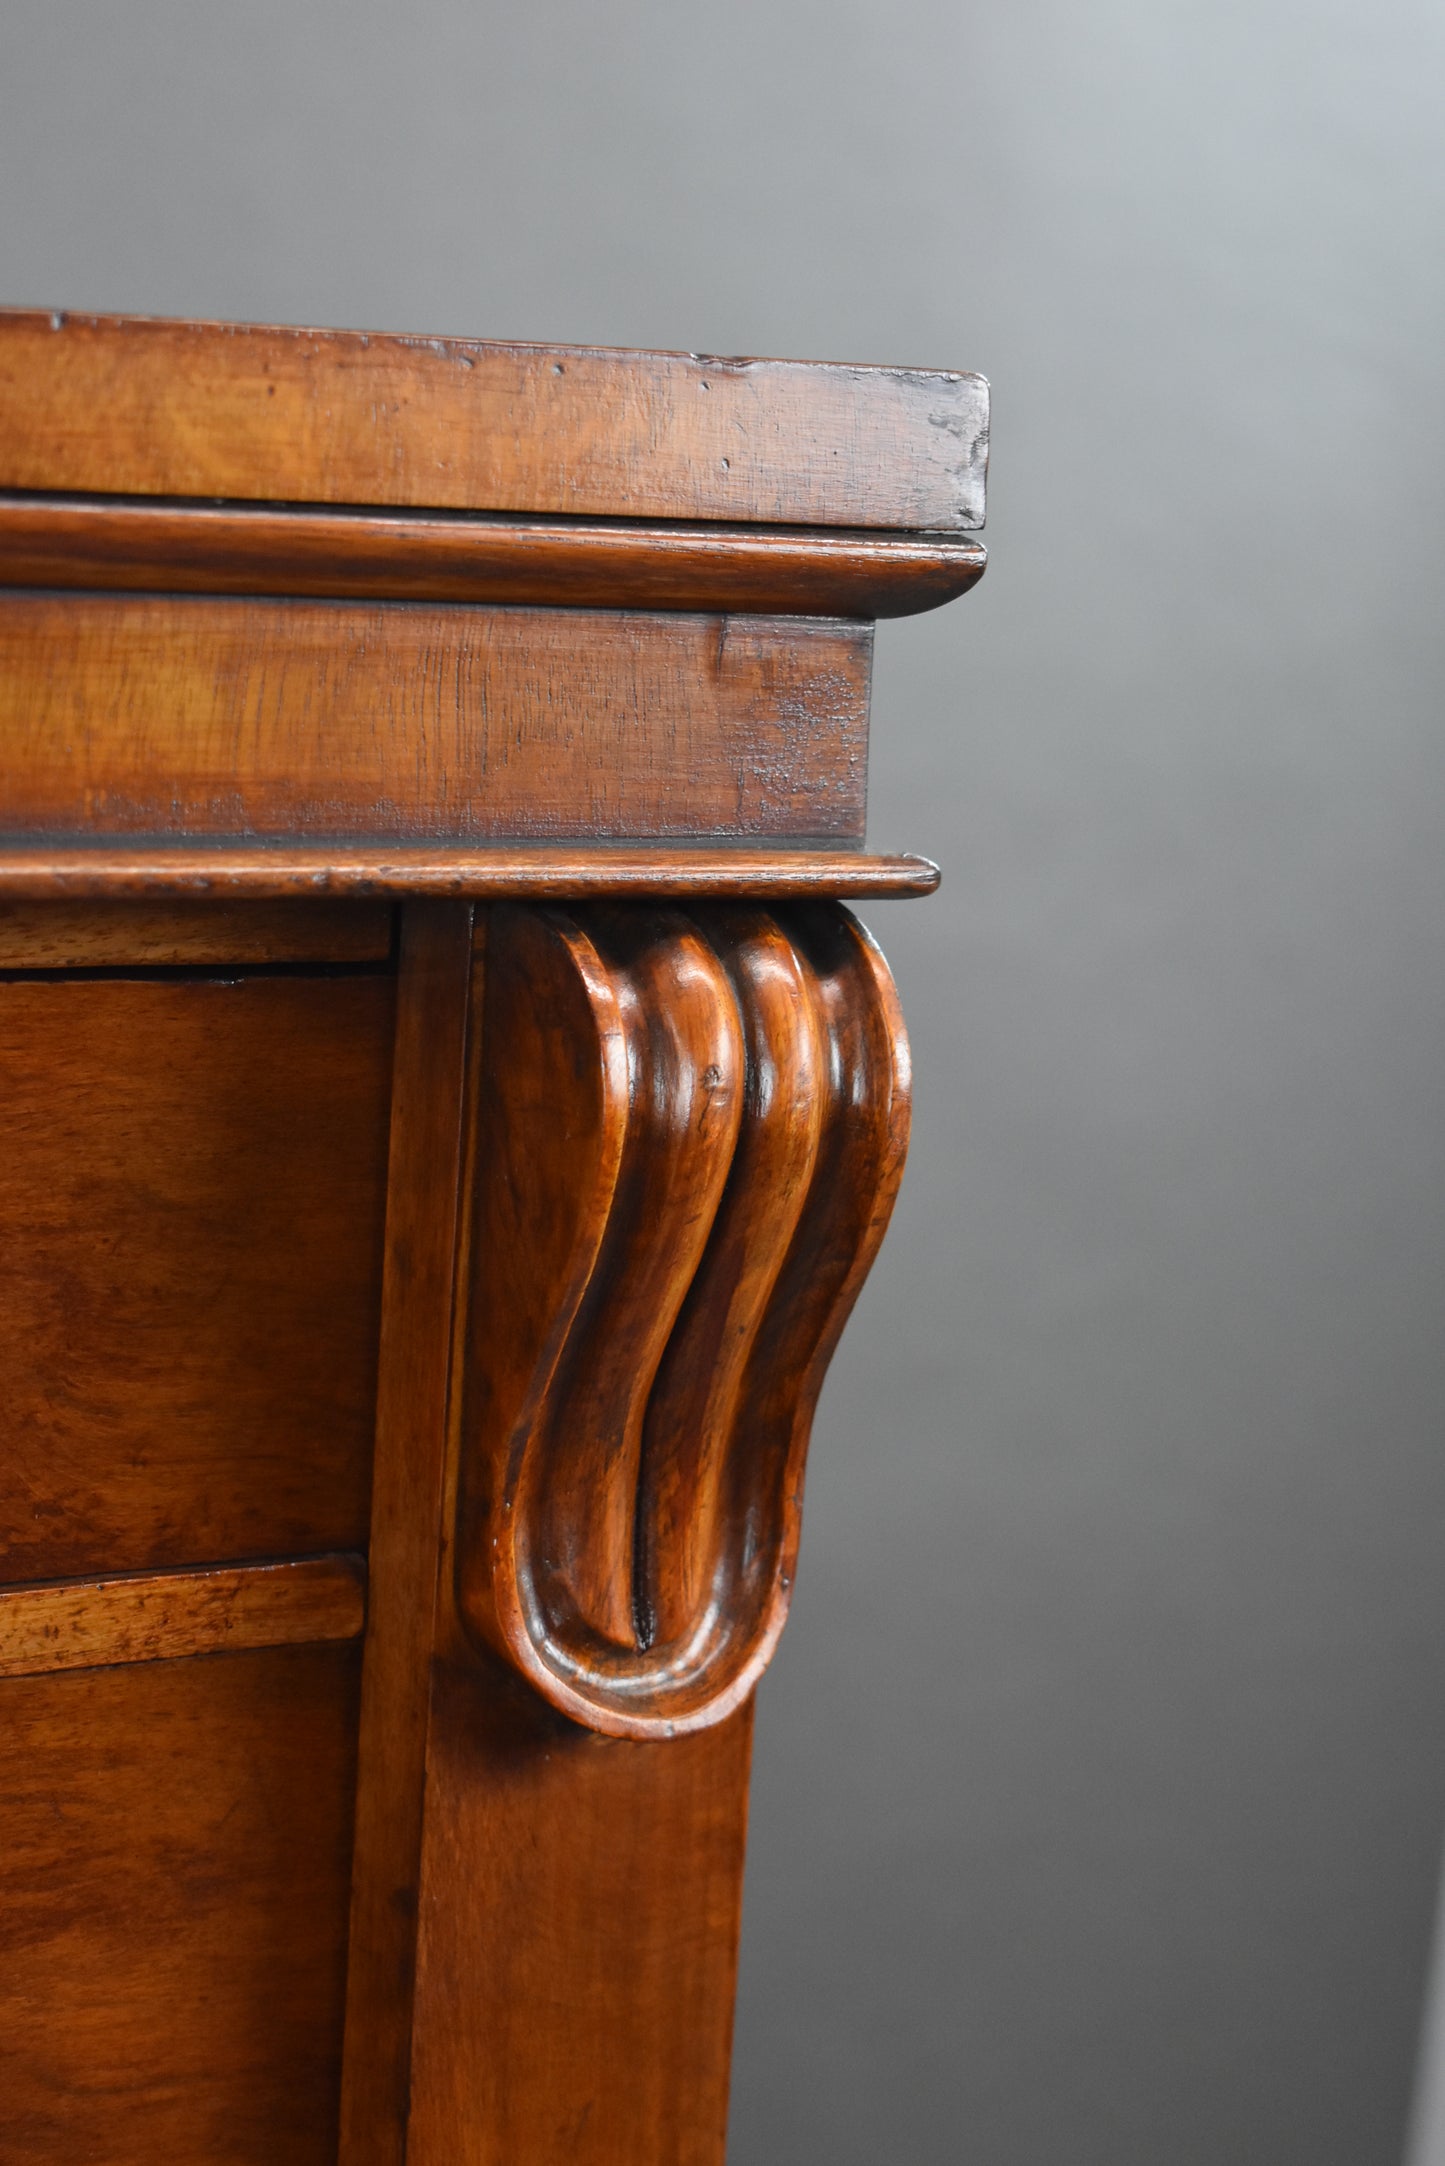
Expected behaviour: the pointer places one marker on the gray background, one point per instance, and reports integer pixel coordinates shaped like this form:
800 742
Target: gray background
1101 1780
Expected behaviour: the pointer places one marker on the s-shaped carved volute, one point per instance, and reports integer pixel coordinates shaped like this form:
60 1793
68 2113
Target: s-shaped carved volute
690 1132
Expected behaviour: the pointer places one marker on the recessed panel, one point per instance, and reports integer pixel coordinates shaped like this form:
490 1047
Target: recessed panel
191 1204
175 1849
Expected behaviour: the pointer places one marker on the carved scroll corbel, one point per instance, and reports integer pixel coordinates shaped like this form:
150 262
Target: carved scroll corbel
691 1129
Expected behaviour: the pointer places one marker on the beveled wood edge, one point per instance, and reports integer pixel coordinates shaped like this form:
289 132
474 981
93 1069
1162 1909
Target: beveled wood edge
145 545
32 871
128 1617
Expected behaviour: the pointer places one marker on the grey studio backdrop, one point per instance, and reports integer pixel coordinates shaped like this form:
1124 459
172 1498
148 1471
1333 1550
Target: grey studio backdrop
1100 1781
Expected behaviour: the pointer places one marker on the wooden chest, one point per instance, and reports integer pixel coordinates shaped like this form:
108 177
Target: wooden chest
449 1111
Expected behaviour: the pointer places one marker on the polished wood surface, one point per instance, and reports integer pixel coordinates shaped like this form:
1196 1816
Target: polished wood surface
165 715
696 1128
544 1925
81 1624
146 407
117 875
138 545
407 1536
449 1117
148 935
175 1844
192 1195
581 1899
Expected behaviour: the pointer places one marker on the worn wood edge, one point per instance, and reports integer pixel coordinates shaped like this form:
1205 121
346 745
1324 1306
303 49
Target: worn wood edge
32 871
154 406
162 1616
141 545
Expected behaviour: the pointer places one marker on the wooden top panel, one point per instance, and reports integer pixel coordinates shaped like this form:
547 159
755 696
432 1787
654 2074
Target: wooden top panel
148 407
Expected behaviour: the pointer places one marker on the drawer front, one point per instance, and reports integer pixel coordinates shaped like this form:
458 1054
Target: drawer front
175 1848
149 934
192 1195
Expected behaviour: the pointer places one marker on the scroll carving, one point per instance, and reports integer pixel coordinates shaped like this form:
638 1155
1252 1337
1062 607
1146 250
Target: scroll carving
691 1128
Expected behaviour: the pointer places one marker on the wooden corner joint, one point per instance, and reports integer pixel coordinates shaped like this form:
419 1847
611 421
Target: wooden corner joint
691 1129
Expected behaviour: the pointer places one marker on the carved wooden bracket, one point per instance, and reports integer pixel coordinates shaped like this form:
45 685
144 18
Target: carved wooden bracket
690 1132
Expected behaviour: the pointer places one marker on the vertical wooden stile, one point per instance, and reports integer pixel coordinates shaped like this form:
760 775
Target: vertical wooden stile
407 1525
544 1921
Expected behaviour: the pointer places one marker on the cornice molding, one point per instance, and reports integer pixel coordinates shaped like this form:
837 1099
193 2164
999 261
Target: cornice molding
31 871
139 545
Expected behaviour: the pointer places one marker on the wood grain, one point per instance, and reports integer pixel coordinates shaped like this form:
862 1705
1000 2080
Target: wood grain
407 1538
534 871
568 651
147 407
159 1616
142 546
196 716
174 1854
544 1923
581 1899
55 934
696 1129
191 1193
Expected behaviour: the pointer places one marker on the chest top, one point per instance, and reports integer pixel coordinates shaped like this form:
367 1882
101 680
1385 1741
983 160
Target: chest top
285 607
